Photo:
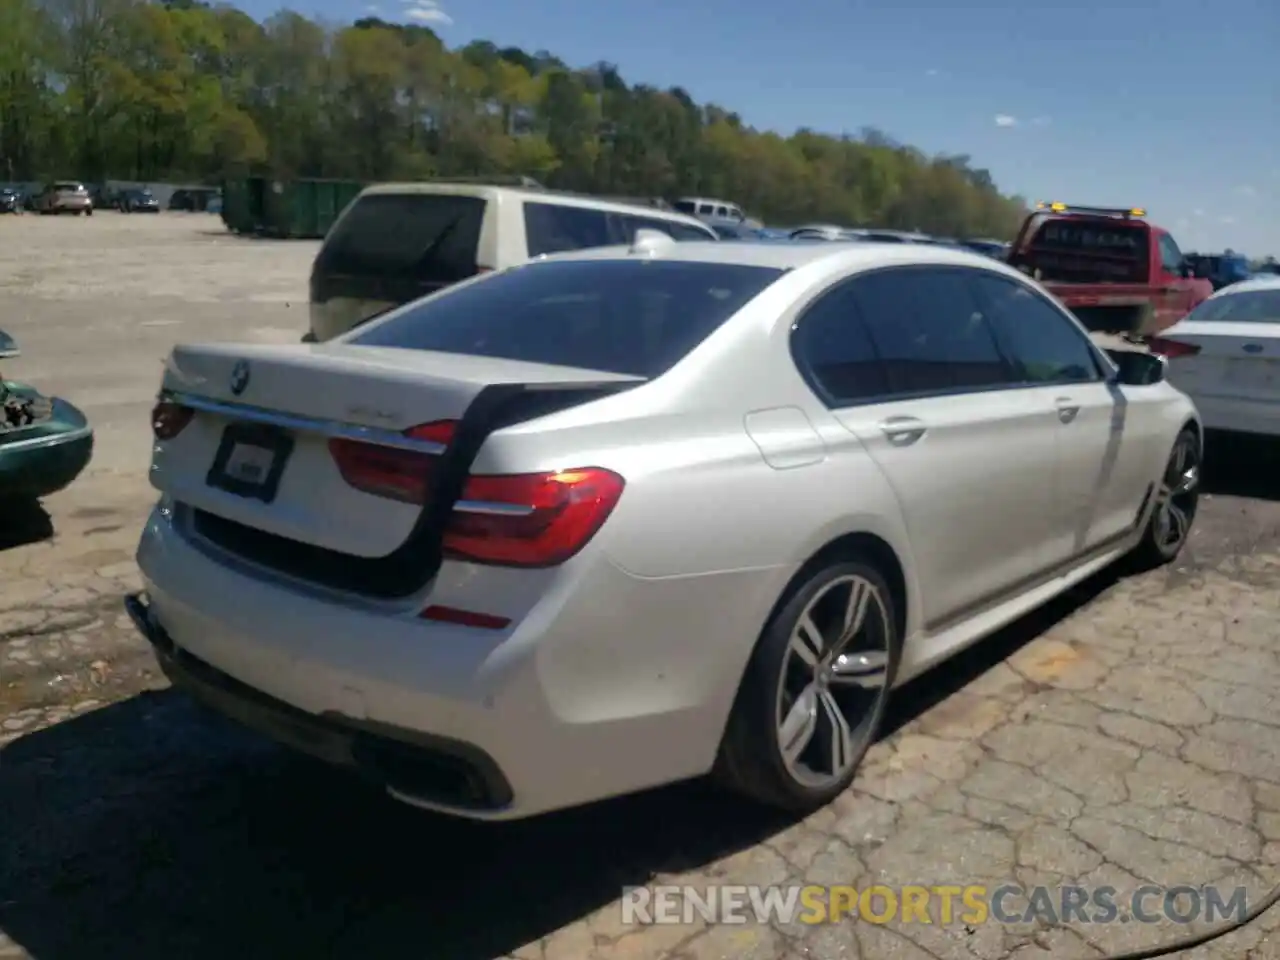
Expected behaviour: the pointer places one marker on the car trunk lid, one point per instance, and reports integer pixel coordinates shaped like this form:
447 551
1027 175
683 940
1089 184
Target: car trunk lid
348 449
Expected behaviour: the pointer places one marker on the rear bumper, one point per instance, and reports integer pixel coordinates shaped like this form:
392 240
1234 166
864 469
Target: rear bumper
46 457
394 758
1259 417
607 684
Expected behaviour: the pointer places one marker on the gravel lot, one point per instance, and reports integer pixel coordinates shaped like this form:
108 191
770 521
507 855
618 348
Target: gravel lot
1126 735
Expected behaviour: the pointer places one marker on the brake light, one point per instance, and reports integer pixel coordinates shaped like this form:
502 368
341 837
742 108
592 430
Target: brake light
1166 347
169 418
389 472
552 516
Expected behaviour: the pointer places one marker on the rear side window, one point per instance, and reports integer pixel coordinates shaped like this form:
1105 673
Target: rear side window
1045 346
430 237
686 206
1254 306
833 346
637 317
553 228
929 332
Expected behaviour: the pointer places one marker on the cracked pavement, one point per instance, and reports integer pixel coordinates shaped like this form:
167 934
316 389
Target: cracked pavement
1124 735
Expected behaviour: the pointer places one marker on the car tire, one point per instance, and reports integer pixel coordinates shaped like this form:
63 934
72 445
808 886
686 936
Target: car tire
778 686
1177 497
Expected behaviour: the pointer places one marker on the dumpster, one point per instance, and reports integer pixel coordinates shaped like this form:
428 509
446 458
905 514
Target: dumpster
296 209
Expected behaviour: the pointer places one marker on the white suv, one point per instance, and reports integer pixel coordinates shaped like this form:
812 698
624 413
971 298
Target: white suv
397 242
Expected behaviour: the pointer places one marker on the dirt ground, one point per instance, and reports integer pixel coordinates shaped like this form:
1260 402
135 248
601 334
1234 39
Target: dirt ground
1127 734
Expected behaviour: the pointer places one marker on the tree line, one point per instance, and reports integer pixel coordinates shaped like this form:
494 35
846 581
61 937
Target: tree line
184 91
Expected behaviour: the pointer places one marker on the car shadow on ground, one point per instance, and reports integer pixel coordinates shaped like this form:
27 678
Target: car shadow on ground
1236 465
150 829
23 523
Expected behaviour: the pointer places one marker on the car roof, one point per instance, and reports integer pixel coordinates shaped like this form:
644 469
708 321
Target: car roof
490 191
852 255
1264 281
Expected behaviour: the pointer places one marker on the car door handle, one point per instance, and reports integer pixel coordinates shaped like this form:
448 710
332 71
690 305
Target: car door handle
1067 409
902 431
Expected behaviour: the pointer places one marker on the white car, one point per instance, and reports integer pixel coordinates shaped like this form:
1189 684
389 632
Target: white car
397 242
628 516
1225 355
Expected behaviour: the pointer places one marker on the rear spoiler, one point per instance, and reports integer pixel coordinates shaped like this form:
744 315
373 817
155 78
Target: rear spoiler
412 565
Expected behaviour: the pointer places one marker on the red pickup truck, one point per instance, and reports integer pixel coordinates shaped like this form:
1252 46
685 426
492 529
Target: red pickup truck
1110 267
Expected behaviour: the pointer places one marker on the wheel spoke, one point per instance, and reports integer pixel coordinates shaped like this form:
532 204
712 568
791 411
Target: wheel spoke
841 736
1187 482
807 641
797 728
1179 523
855 613
867 669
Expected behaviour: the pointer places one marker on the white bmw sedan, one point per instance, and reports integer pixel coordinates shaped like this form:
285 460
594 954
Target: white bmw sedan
628 516
1225 354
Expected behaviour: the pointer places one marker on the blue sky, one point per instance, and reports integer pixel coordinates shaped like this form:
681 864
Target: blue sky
1169 104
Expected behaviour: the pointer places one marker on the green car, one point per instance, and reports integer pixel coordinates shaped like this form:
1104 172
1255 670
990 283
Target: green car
45 442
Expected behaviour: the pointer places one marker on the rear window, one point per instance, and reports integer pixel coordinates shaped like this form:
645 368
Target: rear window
637 317
556 228
430 237
1083 250
1254 306
68 185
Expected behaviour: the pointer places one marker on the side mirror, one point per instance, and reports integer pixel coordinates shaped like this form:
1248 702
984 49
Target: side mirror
1137 369
8 346
1186 271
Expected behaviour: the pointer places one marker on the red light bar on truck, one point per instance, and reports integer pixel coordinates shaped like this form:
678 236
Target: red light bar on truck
1123 212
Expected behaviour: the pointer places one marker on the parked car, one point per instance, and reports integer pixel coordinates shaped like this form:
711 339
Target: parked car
1225 355
45 442
64 196
822 231
991 248
709 209
1113 269
10 200
505 549
193 199
398 242
138 201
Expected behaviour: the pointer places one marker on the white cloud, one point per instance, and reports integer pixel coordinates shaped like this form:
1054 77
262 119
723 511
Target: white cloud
931 72
1040 121
1227 220
373 9
426 11
1246 191
1197 212
1004 120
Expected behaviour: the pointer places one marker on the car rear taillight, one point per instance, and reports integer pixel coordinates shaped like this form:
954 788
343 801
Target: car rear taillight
169 418
1165 347
531 520
388 471
524 520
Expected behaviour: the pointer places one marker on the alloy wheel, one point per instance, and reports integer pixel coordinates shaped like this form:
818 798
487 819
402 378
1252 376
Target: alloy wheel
1178 495
834 676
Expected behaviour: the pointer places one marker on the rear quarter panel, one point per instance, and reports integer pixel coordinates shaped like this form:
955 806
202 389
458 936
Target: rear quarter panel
701 496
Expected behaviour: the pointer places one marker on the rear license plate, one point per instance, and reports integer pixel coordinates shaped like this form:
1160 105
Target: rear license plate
250 461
